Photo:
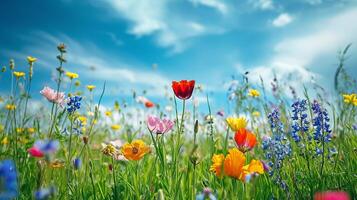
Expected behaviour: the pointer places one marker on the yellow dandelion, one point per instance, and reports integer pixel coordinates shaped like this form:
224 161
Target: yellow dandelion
31 130
31 60
350 99
253 93
115 127
236 123
83 120
72 75
19 130
19 74
108 113
10 107
23 140
90 87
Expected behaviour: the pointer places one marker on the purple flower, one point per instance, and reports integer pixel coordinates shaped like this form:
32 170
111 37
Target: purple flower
159 126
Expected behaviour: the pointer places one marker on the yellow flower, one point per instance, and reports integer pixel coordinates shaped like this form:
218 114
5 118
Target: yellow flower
135 150
236 123
72 75
5 141
350 99
109 150
217 165
83 120
19 74
115 127
31 130
10 107
108 113
256 114
57 164
19 130
31 60
1 128
234 163
90 87
253 93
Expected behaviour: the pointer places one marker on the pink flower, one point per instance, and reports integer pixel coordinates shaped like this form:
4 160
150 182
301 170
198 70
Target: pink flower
53 96
35 152
331 195
159 126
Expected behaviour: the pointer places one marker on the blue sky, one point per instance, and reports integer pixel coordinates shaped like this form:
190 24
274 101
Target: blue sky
205 40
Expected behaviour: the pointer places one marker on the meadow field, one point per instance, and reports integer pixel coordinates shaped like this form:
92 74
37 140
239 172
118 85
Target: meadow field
270 145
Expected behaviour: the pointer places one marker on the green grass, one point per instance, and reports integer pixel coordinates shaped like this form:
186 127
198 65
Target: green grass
179 168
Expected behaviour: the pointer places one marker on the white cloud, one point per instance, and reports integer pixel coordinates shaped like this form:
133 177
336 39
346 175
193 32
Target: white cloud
282 20
305 56
263 4
82 56
216 4
170 29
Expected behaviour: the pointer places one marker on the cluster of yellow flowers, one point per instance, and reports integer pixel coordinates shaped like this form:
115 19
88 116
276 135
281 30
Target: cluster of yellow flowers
350 99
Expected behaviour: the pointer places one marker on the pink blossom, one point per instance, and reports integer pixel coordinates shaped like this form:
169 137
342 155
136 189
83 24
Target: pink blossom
159 126
331 195
35 152
53 96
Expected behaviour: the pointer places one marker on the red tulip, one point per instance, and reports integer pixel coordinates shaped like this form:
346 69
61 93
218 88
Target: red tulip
245 140
183 89
149 104
35 152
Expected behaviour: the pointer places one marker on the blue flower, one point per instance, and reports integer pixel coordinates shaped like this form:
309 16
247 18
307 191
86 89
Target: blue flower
206 194
77 163
45 193
321 123
8 180
73 104
300 125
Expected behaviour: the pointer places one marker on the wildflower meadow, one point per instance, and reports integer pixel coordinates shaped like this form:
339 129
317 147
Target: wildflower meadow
267 147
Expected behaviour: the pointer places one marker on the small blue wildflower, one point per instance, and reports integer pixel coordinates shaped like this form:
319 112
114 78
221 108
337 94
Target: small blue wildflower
8 180
206 194
321 123
73 104
45 193
77 163
300 125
